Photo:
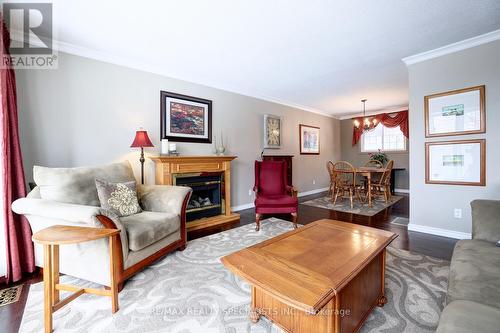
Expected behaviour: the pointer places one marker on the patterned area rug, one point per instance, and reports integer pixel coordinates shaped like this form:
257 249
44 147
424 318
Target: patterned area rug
344 205
191 291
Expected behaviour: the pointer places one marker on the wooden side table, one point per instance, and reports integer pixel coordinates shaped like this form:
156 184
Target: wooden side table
56 235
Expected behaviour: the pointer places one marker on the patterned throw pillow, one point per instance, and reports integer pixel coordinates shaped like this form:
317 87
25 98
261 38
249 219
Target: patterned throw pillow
120 198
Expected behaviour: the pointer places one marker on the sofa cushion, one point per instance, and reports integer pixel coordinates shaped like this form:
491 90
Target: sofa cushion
119 198
146 228
467 317
77 185
486 220
475 273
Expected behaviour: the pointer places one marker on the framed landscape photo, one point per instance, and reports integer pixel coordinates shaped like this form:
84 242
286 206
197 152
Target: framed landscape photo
185 118
461 162
272 131
309 140
456 112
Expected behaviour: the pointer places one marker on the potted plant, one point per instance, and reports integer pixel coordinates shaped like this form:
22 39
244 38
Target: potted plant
380 157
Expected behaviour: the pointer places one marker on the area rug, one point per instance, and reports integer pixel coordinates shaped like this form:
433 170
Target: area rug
191 291
344 205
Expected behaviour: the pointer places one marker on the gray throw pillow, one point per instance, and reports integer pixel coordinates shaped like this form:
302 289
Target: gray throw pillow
119 198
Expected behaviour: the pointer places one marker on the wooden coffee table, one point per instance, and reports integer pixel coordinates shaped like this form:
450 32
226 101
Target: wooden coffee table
324 277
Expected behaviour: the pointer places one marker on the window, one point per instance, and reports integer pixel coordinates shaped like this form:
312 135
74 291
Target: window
383 138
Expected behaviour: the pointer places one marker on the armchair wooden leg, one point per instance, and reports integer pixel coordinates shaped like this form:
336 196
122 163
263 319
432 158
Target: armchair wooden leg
258 217
294 220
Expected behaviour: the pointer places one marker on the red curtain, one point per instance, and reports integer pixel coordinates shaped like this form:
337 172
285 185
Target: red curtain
19 247
387 119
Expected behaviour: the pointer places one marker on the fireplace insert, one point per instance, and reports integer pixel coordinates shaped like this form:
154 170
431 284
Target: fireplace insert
207 198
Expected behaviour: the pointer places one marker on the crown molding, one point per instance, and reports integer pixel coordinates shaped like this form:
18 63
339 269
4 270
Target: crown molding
451 48
393 109
138 65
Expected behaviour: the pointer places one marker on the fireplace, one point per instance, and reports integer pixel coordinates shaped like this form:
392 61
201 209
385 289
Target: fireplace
172 170
207 199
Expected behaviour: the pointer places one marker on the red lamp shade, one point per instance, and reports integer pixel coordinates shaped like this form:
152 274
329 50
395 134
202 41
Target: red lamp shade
141 140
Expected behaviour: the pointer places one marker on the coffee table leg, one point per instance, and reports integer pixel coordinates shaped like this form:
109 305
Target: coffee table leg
382 300
112 271
47 287
254 313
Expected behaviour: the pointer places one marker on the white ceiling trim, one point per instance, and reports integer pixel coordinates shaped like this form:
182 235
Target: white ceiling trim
451 48
122 61
375 112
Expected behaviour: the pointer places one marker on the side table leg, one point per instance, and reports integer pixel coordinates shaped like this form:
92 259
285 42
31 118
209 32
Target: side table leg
112 271
47 287
55 273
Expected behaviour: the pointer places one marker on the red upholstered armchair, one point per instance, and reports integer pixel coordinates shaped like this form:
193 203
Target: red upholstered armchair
272 194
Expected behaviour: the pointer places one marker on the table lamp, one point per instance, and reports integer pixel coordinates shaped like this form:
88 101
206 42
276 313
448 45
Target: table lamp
142 141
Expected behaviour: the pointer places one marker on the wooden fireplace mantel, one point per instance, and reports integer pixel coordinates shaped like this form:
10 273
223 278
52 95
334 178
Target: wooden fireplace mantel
168 166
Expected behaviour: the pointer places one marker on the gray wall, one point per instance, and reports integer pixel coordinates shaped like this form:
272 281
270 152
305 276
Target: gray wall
86 113
433 205
354 155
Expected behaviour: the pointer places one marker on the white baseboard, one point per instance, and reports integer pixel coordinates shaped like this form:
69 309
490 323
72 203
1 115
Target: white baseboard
439 231
401 190
242 207
319 190
301 194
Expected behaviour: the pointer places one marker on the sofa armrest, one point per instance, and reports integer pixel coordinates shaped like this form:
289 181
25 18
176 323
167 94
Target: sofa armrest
486 220
56 210
163 198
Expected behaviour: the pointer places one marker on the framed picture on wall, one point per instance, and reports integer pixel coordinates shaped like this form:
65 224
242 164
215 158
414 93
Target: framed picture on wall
185 118
461 162
309 140
456 112
272 131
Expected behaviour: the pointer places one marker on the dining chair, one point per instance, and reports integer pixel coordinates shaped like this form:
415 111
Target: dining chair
376 176
383 186
331 189
344 176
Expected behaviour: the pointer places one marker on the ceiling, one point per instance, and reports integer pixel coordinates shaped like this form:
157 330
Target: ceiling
319 55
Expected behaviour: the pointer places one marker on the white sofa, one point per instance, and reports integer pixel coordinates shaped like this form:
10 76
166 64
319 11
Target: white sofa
68 196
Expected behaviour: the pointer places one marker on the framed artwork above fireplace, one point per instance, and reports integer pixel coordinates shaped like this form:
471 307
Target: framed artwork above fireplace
185 118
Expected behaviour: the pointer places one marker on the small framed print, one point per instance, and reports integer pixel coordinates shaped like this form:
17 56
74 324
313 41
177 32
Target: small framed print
185 118
457 112
272 131
309 140
461 162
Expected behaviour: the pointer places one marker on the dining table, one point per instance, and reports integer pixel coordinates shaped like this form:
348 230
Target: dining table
368 172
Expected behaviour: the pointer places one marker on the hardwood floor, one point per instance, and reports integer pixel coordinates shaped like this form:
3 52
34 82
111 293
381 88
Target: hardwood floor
435 246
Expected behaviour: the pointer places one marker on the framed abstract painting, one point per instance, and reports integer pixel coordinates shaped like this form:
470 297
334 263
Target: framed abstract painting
185 118
309 140
456 112
272 131
461 162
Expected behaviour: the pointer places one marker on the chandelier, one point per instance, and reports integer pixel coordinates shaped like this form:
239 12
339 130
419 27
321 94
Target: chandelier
368 122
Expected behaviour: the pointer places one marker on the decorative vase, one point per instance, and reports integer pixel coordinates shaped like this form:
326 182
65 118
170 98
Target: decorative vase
220 148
